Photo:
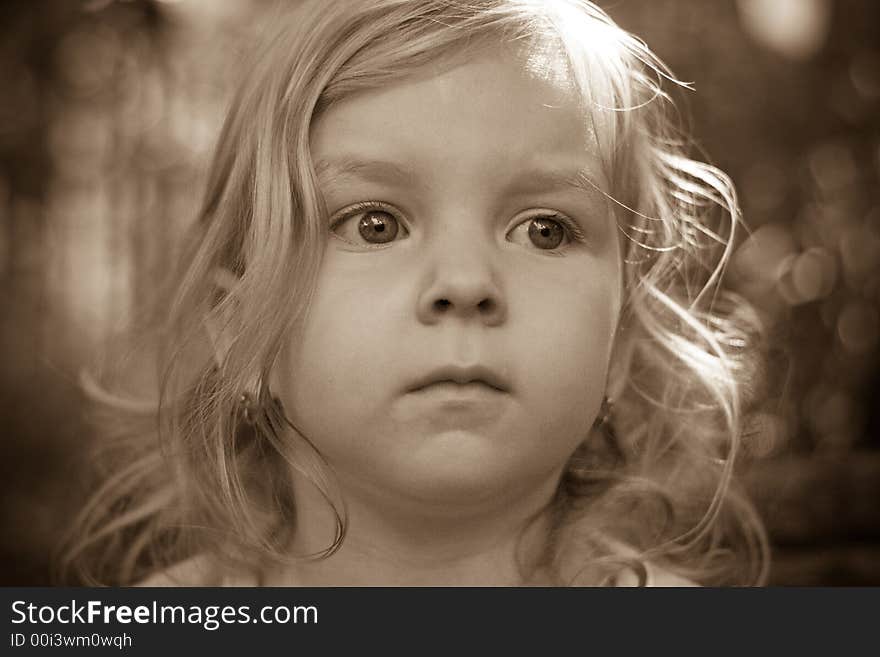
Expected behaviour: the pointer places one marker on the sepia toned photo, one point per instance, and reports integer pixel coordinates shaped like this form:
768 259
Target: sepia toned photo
459 293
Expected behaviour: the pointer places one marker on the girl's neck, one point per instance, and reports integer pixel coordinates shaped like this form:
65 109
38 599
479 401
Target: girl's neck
500 544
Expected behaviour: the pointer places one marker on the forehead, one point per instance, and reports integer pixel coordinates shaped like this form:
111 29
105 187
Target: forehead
500 108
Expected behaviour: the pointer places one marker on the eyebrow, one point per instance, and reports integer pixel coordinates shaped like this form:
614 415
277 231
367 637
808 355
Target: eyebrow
532 181
375 171
543 180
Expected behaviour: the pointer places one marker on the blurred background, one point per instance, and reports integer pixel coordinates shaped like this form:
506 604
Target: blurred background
109 110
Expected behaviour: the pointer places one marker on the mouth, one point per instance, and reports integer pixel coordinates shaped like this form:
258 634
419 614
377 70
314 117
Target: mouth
459 377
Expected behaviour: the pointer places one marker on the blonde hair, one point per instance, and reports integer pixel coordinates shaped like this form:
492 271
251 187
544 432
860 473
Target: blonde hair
204 481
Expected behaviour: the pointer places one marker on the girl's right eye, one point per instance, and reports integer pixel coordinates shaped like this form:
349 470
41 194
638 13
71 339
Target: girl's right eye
368 224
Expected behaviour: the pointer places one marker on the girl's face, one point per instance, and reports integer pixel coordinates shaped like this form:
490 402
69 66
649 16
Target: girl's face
457 346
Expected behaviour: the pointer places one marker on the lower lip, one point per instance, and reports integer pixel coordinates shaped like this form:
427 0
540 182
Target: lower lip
451 392
449 406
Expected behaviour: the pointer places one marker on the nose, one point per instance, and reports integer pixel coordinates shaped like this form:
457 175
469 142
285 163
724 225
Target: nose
462 283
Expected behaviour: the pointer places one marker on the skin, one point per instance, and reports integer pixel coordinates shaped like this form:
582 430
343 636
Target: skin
439 482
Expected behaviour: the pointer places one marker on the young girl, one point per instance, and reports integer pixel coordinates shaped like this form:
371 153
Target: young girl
450 315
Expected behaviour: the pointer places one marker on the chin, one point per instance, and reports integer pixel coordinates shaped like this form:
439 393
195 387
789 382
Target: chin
467 478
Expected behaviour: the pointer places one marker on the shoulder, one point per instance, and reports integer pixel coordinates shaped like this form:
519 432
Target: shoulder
656 577
660 578
198 571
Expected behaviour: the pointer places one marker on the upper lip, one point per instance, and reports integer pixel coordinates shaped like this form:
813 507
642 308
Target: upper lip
462 374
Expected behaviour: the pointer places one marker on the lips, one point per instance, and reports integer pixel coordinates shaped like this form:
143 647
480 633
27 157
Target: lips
462 375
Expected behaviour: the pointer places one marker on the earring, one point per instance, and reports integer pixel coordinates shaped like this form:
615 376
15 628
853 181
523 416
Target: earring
604 423
247 409
603 419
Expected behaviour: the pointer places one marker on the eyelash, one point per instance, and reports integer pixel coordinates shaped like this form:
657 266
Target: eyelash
572 229
358 208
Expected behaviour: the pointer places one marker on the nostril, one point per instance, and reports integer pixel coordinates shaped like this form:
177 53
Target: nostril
490 309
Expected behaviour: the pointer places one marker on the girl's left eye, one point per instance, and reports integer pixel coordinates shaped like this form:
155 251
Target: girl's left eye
368 224
546 232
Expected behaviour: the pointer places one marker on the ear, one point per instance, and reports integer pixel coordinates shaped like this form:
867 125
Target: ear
223 320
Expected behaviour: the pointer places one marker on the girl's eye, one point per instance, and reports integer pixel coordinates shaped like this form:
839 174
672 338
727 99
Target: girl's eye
544 232
377 227
368 223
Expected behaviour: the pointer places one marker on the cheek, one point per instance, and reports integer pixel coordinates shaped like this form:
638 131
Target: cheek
565 349
347 323
331 366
